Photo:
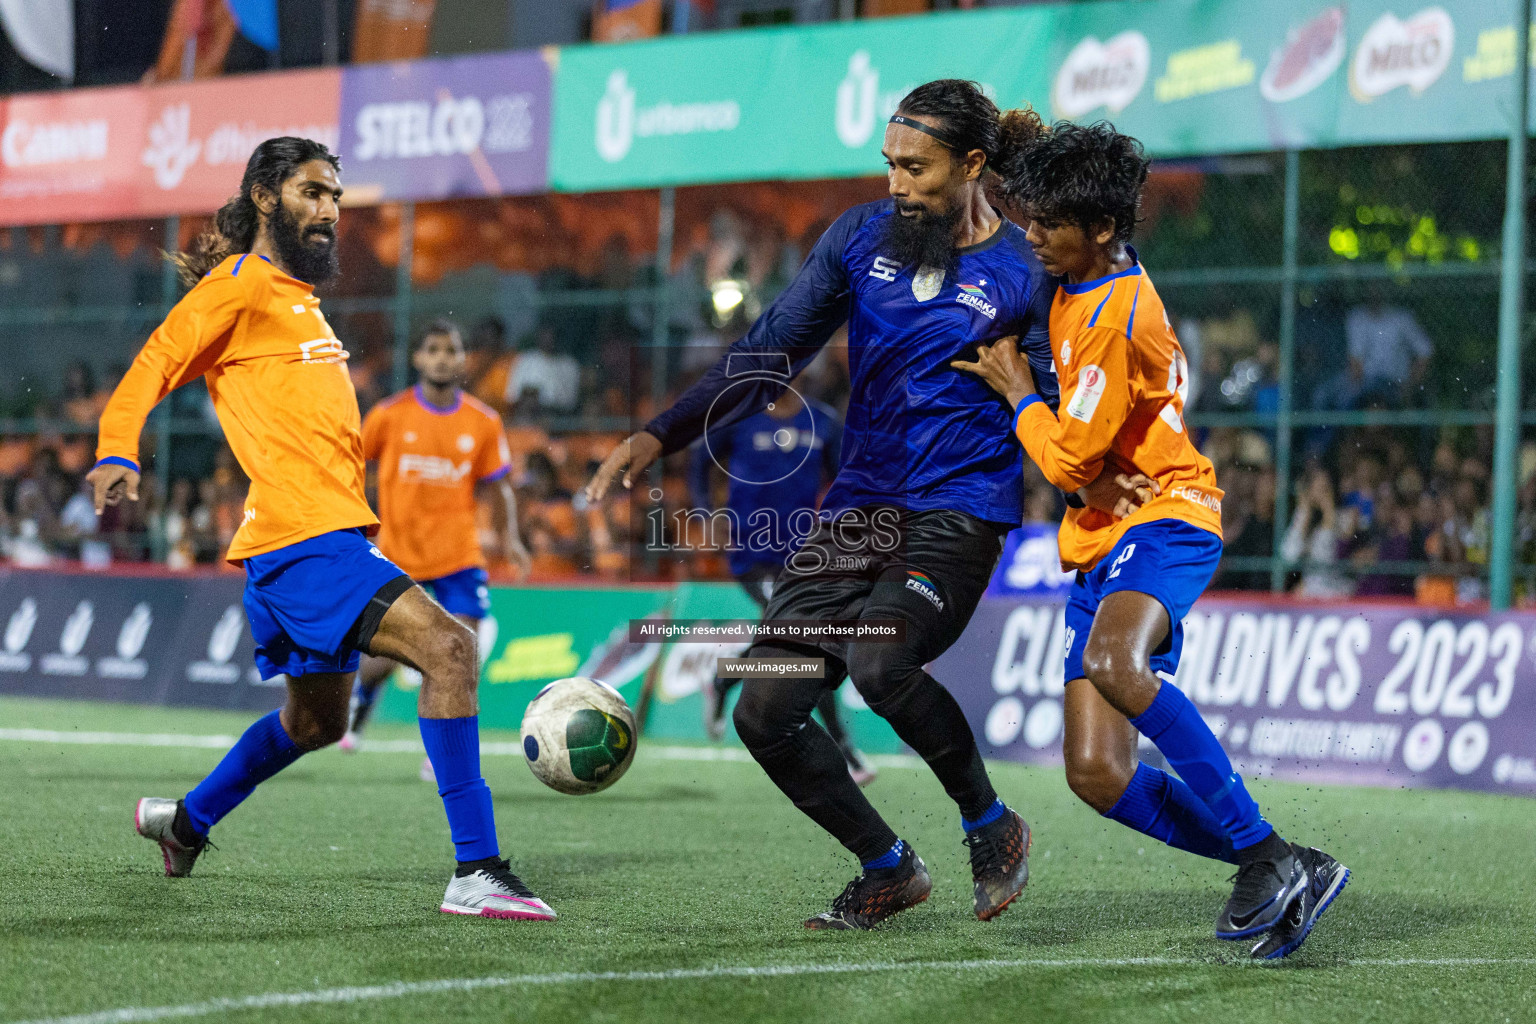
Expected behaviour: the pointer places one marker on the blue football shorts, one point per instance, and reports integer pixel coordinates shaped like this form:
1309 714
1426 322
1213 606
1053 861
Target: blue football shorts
303 600
466 592
1167 559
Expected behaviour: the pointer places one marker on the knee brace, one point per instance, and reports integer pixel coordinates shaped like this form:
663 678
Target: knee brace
884 674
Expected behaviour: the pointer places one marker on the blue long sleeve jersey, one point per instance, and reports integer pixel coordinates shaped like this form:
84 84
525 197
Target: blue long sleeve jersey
918 434
774 468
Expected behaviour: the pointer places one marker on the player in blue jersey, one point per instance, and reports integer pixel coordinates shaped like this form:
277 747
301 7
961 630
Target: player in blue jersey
775 462
929 480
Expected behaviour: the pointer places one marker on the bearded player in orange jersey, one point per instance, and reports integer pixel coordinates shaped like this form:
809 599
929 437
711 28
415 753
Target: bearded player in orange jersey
438 451
1123 381
317 592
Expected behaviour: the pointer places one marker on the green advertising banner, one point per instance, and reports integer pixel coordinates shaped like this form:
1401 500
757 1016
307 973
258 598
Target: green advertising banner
1187 77
681 670
535 635
772 103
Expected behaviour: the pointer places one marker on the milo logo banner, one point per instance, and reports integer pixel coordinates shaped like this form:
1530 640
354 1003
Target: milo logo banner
1366 695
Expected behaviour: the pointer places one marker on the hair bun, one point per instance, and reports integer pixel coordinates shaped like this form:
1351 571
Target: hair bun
1017 130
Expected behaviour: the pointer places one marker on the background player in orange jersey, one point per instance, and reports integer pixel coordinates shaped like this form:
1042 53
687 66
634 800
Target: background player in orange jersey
1123 381
438 451
317 592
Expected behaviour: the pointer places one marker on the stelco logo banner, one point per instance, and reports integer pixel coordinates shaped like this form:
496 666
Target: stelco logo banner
471 126
1373 695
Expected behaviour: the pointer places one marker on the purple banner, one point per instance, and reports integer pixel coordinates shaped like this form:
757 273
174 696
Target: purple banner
437 129
161 639
1030 565
1380 695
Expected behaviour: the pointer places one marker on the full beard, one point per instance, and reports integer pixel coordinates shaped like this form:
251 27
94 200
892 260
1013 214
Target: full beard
926 240
311 262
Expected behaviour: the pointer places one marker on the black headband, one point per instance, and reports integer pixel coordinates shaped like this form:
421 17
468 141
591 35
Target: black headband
946 139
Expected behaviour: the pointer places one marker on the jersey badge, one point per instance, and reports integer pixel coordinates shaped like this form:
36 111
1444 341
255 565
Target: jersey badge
1090 388
927 283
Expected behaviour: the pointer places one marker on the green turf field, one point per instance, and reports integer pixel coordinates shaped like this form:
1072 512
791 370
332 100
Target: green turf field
686 884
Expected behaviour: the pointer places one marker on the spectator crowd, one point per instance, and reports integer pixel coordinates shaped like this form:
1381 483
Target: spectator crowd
1374 511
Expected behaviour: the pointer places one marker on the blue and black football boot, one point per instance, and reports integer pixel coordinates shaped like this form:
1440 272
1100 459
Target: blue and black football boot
1262 889
1326 878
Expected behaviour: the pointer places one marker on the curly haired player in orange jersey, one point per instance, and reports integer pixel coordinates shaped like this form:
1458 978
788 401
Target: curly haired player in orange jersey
1123 379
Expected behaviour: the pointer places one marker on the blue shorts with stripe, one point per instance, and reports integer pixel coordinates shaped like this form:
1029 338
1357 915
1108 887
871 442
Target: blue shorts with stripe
304 599
1167 559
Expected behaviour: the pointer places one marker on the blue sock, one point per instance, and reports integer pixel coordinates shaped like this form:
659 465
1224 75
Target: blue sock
1175 725
889 859
986 817
1163 807
262 752
453 747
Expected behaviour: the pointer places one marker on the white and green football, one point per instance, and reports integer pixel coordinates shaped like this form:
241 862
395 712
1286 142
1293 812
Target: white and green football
578 736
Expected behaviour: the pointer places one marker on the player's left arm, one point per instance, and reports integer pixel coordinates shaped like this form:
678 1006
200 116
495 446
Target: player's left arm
493 485
373 450
1069 446
498 494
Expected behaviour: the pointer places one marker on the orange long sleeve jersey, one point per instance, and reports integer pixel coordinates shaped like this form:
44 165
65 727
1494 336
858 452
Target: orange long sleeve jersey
278 378
1123 382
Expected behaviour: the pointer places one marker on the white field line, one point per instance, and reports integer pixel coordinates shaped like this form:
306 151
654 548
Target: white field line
129 739
492 748
402 989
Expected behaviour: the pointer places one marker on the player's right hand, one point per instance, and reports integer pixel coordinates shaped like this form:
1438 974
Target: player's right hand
1120 494
110 482
632 457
